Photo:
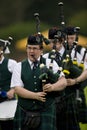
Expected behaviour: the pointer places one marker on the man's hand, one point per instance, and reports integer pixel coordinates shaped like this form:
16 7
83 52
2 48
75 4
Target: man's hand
48 87
40 96
10 93
71 82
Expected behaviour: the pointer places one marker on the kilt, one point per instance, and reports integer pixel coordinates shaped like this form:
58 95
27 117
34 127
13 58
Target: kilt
48 119
82 108
67 113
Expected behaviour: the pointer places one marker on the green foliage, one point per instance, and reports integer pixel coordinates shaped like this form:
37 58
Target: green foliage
75 12
83 126
79 19
20 30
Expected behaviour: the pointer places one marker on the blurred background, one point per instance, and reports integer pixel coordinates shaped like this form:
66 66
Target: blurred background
17 20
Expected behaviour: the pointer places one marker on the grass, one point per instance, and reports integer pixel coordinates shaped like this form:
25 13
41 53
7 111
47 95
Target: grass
84 126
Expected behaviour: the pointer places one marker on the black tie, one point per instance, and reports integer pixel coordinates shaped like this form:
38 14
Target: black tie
58 58
35 65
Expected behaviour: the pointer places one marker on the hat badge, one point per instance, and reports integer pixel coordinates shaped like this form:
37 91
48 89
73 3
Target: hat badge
38 39
59 33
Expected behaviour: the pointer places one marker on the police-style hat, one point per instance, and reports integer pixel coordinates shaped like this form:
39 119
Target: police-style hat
5 44
35 39
55 31
2 43
58 39
70 30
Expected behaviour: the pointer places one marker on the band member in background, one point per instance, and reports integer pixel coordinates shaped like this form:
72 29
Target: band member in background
65 103
56 37
81 81
6 93
72 35
32 96
52 32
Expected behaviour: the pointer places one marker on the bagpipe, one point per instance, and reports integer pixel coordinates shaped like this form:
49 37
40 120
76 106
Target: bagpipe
47 75
45 40
76 69
70 67
62 20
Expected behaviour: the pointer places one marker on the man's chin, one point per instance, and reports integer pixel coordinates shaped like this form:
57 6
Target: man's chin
32 58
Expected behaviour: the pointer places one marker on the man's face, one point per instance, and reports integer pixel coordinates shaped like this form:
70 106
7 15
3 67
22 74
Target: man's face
71 39
58 46
33 52
1 53
51 43
1 49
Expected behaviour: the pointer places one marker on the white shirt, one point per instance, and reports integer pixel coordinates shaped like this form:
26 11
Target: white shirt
82 53
16 76
79 56
46 55
62 51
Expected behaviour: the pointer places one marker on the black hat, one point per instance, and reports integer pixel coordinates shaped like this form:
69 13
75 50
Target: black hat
70 30
58 39
36 39
2 43
55 31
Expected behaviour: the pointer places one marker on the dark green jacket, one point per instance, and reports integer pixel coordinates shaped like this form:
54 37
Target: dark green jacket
5 76
32 82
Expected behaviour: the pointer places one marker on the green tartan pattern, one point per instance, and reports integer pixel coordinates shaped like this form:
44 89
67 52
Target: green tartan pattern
82 108
48 119
67 118
70 112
